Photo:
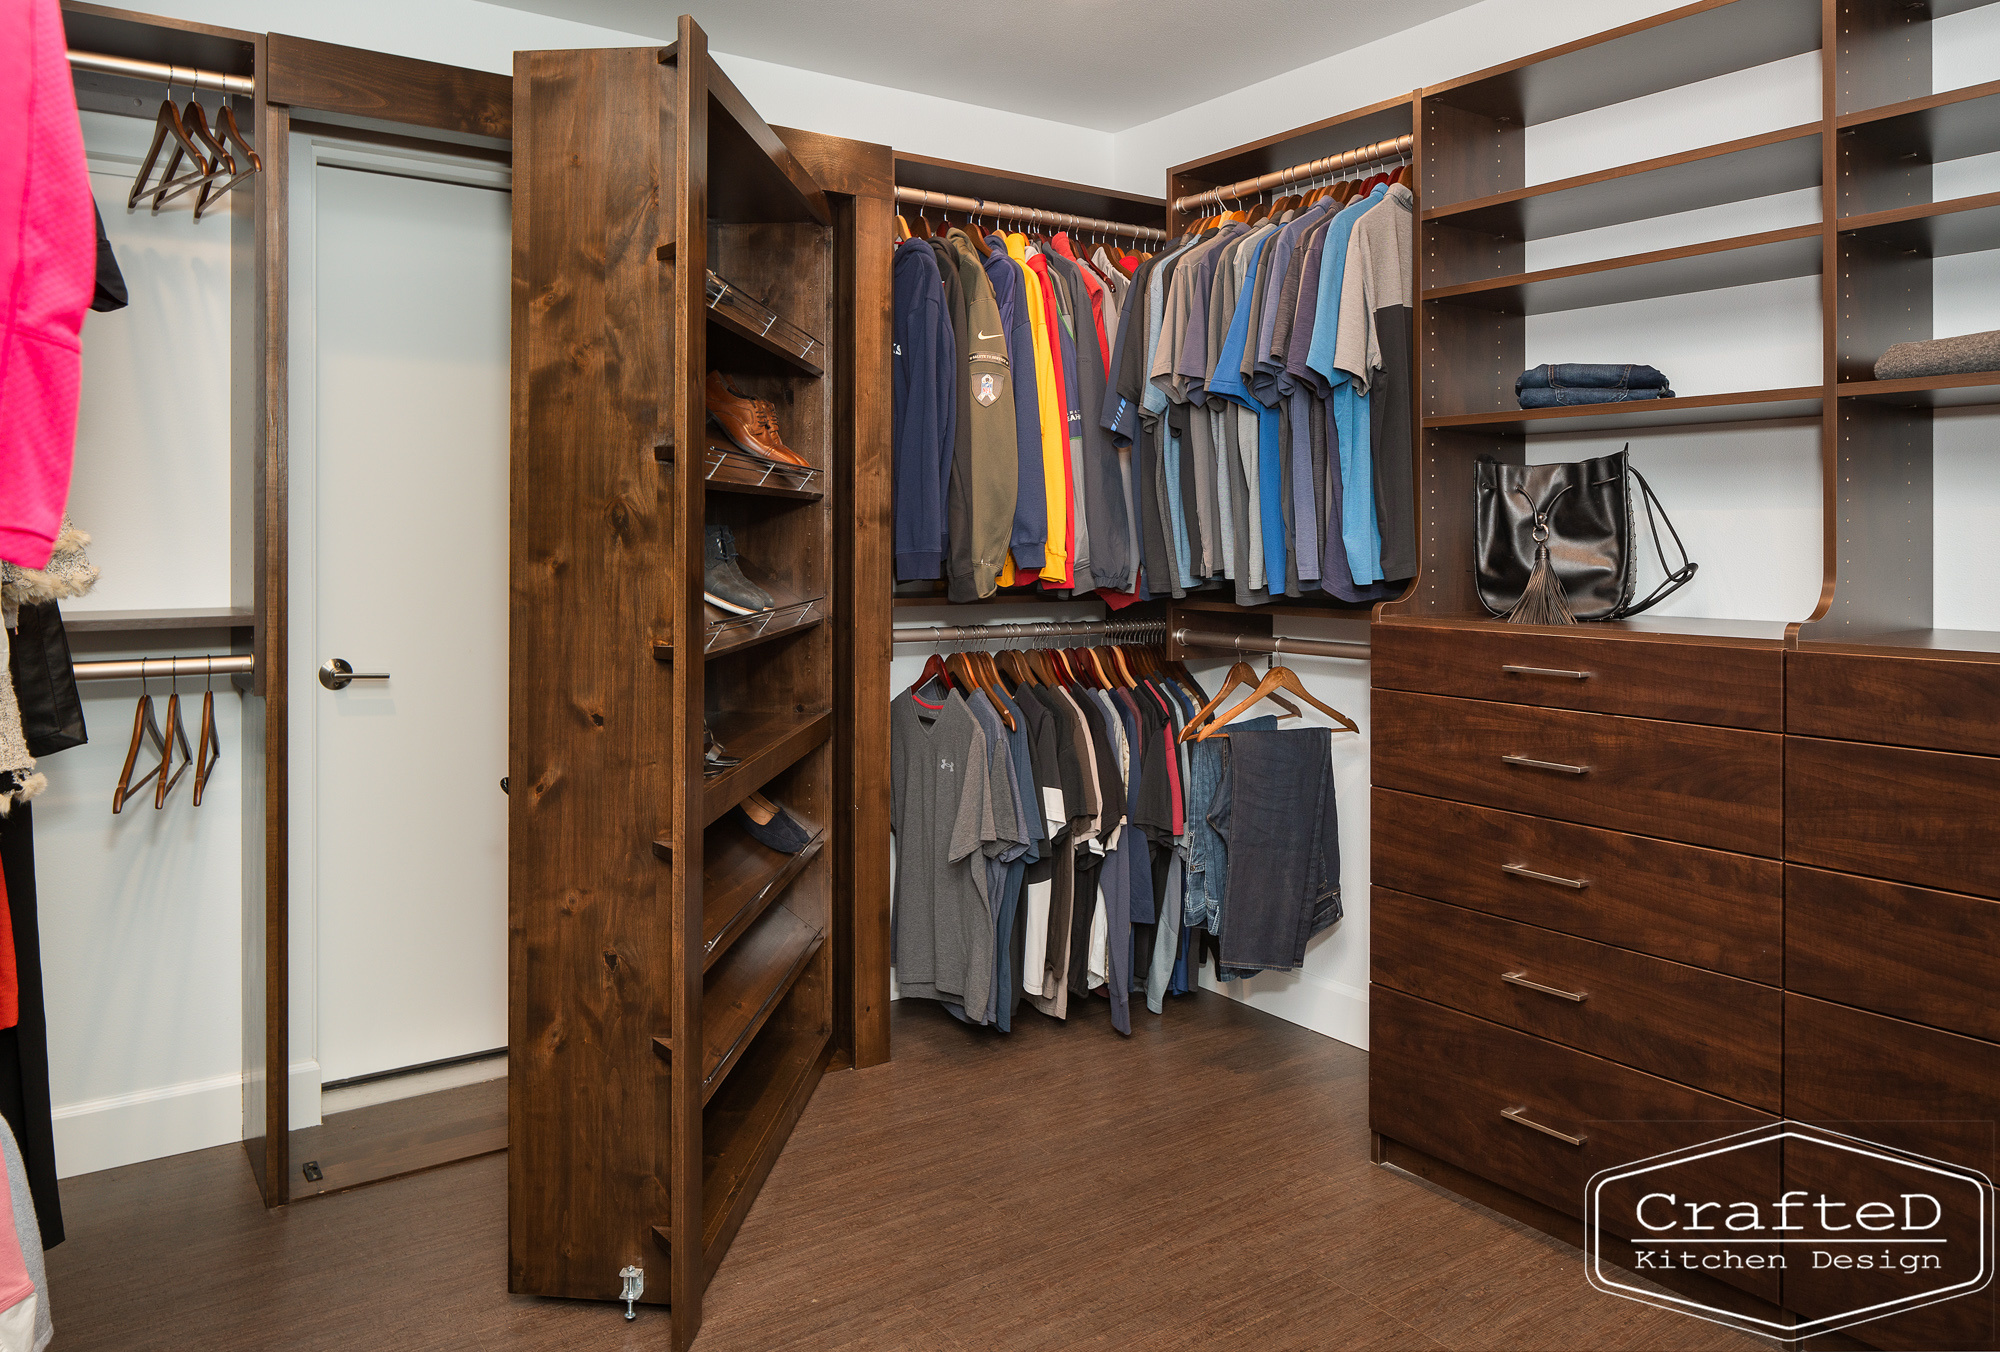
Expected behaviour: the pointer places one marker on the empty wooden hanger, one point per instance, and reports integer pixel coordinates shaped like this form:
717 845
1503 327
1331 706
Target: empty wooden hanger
1243 675
167 127
1277 678
229 136
144 728
174 736
208 747
208 155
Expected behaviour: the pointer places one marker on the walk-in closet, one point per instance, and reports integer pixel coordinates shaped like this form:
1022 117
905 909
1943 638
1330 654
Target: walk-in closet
800 676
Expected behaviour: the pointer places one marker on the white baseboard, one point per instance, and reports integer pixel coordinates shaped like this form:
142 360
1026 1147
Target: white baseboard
149 1124
1326 1006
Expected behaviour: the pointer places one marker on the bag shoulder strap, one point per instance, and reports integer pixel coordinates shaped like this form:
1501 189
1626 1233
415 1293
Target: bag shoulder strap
1676 578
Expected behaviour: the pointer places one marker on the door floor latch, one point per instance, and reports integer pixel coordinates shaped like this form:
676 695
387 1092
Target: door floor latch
635 1286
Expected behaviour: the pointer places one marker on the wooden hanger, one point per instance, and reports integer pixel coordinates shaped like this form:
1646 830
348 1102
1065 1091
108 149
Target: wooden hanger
175 735
167 125
209 745
1277 678
144 728
1016 666
933 670
228 134
209 157
221 164
902 229
1242 674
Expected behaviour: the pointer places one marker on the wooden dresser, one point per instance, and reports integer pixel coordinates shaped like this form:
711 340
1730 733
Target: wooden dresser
1578 919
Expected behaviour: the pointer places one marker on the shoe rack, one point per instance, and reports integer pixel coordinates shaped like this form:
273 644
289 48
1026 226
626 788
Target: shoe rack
676 987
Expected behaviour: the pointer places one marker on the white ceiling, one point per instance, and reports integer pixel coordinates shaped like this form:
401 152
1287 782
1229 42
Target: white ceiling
1107 64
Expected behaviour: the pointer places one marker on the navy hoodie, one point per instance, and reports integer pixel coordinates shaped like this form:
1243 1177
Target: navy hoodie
924 410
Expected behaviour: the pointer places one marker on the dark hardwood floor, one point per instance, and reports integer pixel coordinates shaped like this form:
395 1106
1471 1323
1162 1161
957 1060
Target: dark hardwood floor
1204 1184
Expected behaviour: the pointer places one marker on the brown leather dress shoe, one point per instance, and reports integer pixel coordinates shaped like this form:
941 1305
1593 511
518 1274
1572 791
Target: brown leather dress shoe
751 423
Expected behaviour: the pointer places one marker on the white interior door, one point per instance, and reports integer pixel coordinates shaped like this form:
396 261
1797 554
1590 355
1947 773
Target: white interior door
404 563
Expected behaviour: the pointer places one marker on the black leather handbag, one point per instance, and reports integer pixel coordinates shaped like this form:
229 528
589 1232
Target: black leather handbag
1555 543
44 681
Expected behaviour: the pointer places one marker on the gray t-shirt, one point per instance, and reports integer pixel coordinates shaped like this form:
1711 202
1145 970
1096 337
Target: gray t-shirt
942 812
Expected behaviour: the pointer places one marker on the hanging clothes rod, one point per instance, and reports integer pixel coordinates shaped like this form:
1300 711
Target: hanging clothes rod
160 73
165 668
1278 178
979 206
1130 631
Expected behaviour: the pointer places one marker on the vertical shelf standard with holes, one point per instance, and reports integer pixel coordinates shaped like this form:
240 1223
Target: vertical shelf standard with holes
672 981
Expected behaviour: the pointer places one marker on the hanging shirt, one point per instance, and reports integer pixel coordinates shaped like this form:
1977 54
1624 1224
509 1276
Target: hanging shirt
923 402
1055 443
1031 522
1350 402
1375 336
942 811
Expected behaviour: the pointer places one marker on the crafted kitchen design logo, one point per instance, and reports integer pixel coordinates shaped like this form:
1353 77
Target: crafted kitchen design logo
1850 1231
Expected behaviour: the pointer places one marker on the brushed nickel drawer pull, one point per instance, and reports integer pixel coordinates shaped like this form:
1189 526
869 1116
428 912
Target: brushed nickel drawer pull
1515 1115
1544 671
1521 979
1523 871
1547 765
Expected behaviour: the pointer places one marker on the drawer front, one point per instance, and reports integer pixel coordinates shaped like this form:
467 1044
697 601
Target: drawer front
1712 1032
1703 907
1912 1088
1930 957
1738 687
1903 701
1924 817
1444 1082
1720 787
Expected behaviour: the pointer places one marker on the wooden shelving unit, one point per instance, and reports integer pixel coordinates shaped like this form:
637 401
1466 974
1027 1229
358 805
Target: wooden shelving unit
676 988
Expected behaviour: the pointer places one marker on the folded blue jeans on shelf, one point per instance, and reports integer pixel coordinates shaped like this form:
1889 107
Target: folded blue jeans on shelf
1576 375
1568 398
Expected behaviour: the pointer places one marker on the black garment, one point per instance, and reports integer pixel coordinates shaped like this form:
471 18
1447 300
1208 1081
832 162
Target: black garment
1274 807
1089 864
1069 770
24 1048
1285 504
1103 489
110 293
1389 412
960 583
1042 760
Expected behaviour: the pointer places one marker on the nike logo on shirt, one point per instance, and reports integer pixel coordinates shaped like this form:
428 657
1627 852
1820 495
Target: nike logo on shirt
984 336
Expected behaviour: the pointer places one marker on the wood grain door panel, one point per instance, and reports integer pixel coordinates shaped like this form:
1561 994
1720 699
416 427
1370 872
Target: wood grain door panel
1712 1032
1719 787
1707 908
1739 687
1923 817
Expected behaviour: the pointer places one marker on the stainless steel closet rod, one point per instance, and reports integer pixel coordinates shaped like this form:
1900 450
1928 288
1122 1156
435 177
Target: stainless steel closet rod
1111 631
979 206
1278 178
161 668
185 77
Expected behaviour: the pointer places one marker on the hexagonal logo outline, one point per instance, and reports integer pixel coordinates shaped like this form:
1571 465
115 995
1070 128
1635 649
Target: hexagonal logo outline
1594 1261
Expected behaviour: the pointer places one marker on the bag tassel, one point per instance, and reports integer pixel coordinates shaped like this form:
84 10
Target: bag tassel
1543 600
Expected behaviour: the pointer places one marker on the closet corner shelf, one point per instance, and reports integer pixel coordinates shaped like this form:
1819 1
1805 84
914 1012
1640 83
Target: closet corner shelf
746 1124
736 328
1733 171
1935 229
1964 391
739 880
767 740
128 621
1741 261
1962 645
743 990
1692 411
747 631
1947 126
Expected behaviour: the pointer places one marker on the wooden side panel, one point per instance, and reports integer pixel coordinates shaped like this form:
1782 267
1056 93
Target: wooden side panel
327 77
1446 464
590 948
1470 154
1880 52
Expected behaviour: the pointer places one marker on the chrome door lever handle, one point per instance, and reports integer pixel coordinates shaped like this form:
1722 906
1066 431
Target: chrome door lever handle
335 674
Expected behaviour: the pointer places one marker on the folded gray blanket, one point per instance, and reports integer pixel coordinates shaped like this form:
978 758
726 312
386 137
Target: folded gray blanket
1962 355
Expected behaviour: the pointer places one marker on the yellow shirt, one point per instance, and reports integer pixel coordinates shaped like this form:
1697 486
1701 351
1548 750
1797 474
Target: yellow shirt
1055 441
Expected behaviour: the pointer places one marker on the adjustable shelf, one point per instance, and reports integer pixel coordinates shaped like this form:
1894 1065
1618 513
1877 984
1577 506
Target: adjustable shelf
1692 411
1965 391
735 328
740 878
1935 127
745 1125
1742 261
748 631
1734 171
1931 229
744 987
767 741
128 621
725 469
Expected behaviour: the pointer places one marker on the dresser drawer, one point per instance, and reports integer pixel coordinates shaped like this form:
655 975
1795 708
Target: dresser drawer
1912 1088
1719 787
1703 907
1931 957
1713 1032
1465 1090
1903 701
1734 686
1924 817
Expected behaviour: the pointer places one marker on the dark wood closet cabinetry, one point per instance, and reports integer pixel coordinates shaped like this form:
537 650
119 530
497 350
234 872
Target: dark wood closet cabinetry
1694 874
676 987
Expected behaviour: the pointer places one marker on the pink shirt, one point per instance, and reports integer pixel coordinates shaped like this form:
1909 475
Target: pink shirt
48 265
